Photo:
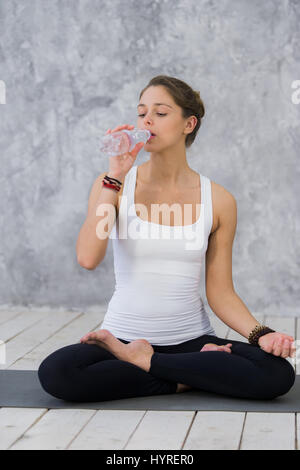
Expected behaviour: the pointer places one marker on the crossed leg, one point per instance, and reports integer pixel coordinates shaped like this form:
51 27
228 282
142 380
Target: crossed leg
248 372
101 371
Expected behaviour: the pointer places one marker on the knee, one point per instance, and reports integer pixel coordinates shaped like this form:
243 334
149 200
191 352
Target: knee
48 377
52 375
282 380
288 377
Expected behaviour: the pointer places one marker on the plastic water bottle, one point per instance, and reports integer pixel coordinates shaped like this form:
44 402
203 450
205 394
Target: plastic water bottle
123 141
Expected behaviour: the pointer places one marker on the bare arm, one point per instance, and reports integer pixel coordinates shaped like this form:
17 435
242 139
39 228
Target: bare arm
220 292
91 248
103 202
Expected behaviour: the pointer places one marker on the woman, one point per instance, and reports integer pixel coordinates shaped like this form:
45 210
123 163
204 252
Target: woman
156 337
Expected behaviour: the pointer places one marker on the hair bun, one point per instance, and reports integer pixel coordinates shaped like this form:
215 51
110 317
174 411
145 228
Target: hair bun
200 102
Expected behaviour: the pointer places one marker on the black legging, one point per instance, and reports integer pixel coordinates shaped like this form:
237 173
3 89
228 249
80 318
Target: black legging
86 372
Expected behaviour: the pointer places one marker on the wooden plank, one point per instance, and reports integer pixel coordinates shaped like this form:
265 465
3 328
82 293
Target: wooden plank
215 430
16 421
69 334
7 315
20 350
269 431
108 430
160 430
20 323
55 430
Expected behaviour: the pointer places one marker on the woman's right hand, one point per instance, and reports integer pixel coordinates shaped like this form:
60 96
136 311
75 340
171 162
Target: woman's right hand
119 165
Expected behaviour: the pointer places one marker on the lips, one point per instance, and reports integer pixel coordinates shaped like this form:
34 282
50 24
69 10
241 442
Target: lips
151 136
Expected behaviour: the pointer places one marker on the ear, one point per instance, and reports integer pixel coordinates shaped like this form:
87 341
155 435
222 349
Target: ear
191 124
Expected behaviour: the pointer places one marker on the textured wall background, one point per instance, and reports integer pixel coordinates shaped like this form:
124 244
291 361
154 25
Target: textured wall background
74 68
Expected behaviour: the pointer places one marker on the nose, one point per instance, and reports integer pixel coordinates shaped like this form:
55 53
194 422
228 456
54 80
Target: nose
147 120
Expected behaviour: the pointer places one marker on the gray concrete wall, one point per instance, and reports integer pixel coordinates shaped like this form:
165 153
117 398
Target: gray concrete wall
74 68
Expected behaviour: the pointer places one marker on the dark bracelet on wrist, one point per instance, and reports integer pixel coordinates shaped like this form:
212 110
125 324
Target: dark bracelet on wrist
257 332
113 180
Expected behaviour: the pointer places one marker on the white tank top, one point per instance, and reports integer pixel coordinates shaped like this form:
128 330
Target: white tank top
157 272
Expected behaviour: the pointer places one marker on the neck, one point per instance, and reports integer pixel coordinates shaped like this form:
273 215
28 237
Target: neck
165 170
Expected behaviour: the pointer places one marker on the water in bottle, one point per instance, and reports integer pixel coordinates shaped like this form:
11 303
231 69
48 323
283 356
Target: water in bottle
123 141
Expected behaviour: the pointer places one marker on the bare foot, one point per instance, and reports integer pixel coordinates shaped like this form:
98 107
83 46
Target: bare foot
215 347
182 388
137 352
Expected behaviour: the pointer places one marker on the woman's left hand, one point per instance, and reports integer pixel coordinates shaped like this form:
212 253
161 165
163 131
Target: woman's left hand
278 344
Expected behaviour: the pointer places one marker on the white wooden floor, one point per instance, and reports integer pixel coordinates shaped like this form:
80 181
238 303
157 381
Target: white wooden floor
31 335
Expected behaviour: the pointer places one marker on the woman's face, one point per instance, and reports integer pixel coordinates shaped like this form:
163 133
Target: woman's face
164 120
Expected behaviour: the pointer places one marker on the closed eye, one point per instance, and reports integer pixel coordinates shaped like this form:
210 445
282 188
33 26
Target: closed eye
160 114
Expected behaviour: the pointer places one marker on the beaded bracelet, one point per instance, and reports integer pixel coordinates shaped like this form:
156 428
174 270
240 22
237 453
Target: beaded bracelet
112 183
109 178
257 332
112 186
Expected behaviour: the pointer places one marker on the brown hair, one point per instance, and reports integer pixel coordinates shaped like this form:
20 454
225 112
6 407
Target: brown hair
184 96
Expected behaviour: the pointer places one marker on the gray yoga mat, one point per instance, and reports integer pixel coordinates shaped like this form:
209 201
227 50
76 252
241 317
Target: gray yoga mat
22 389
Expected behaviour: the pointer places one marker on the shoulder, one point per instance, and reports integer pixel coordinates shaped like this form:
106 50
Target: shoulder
224 197
224 203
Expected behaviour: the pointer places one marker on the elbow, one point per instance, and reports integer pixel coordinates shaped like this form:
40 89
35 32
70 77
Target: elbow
90 260
86 264
89 268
